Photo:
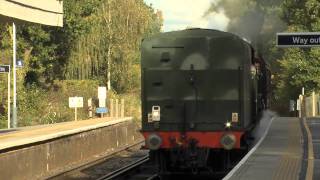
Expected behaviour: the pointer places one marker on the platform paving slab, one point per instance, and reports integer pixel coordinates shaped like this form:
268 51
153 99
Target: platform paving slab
314 126
278 157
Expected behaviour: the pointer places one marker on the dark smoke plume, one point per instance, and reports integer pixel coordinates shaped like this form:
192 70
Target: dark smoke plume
255 20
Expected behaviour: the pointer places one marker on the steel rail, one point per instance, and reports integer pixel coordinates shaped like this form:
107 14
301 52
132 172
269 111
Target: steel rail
119 172
153 177
96 161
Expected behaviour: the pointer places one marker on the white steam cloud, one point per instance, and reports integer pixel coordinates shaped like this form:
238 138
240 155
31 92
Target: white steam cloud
182 14
212 21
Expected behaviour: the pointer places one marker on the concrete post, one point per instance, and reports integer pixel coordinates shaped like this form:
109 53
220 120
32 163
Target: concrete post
300 105
313 104
303 106
117 108
111 108
122 108
90 108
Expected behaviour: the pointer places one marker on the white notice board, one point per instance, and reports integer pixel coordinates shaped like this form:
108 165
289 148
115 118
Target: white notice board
102 92
75 102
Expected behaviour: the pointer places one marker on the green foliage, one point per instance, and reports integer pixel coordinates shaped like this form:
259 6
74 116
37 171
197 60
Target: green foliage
300 67
132 103
38 106
112 43
259 21
31 104
99 36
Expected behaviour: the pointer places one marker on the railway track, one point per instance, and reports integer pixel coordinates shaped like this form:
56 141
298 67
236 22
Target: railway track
105 165
136 170
132 171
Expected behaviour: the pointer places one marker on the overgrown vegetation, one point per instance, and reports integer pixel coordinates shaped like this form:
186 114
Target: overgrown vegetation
299 67
99 42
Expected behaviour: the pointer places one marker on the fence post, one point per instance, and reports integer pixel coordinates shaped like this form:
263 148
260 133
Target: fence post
313 104
111 108
300 105
122 108
303 106
117 108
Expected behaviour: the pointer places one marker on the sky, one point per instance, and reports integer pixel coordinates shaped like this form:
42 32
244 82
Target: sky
180 14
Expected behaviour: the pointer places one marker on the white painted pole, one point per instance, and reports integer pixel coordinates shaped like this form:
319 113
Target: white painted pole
9 101
75 114
313 104
14 76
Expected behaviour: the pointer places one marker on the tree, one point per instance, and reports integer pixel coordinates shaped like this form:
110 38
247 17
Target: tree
110 50
99 37
300 67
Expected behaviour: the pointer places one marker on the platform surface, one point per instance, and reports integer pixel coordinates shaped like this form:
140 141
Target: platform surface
314 126
279 155
29 135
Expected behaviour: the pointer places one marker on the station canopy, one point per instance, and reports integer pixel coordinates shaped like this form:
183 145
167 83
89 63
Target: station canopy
47 12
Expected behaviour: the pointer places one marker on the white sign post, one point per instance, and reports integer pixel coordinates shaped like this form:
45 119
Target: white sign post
75 102
102 96
102 102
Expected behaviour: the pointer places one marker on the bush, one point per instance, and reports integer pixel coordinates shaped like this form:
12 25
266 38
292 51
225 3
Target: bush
46 106
39 106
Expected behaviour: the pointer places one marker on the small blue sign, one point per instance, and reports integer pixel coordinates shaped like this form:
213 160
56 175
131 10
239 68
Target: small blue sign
19 63
102 110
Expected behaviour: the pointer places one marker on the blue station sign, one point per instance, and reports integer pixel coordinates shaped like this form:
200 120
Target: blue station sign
303 39
101 110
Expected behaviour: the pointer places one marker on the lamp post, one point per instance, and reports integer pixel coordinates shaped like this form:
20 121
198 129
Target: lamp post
14 109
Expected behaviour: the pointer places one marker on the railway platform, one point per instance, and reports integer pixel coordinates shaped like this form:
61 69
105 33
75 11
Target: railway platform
279 154
43 151
314 132
35 134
